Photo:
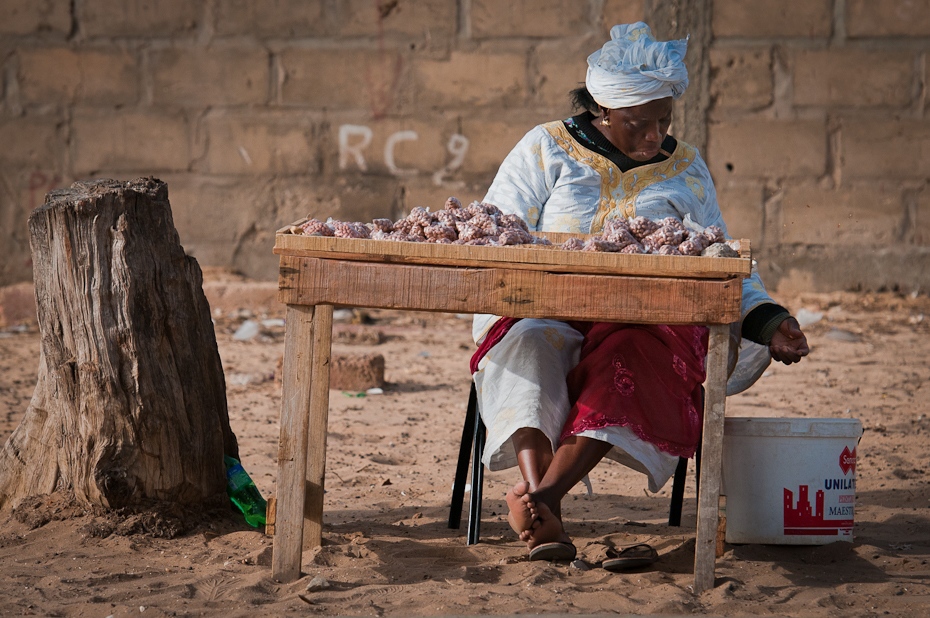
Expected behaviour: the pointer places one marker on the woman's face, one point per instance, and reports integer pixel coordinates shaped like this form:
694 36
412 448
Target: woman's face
639 131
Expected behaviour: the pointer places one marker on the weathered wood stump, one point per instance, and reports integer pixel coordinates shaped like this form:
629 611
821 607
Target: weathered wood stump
130 403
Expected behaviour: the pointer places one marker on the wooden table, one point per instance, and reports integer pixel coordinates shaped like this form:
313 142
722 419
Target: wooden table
317 273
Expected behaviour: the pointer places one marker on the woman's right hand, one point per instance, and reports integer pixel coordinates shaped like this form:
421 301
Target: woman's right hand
789 345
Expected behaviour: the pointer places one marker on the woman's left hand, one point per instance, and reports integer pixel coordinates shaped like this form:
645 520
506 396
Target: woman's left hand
789 345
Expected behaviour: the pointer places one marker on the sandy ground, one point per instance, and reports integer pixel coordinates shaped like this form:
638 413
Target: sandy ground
387 549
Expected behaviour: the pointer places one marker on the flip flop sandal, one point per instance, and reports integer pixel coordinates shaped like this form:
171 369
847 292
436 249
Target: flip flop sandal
633 557
553 551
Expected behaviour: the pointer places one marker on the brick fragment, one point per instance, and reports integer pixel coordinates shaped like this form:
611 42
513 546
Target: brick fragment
356 372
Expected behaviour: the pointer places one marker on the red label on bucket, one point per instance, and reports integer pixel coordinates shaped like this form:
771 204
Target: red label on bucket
848 460
814 520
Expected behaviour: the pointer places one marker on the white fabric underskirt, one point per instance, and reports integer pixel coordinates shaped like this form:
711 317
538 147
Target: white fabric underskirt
521 383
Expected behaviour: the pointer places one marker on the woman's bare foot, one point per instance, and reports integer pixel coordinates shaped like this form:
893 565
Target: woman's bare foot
520 516
545 527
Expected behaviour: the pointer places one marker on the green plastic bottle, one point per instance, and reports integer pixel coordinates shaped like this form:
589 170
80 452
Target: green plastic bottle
243 493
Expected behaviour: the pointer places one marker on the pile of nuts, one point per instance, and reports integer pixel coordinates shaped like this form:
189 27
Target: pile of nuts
668 236
481 223
477 224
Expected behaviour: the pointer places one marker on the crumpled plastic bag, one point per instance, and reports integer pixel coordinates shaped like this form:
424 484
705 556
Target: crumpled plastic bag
752 361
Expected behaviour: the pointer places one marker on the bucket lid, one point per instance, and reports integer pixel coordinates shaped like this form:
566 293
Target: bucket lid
793 427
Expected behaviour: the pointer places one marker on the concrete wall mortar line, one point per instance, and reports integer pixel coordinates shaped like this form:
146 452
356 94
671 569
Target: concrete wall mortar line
920 85
834 152
782 85
907 230
463 22
839 23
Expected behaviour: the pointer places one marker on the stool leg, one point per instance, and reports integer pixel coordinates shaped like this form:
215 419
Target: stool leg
678 492
697 456
477 484
681 475
461 468
697 469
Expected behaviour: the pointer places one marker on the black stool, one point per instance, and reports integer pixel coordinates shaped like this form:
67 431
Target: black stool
472 447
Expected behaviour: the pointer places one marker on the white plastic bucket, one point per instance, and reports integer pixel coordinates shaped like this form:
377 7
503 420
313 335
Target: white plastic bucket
790 481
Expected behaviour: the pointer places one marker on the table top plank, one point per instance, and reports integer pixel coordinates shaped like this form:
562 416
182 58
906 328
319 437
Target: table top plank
518 257
510 292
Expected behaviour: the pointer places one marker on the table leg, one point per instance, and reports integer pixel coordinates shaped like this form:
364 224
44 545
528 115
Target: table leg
715 393
319 417
292 443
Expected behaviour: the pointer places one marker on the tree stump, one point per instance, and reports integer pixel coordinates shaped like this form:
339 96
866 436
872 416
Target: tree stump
130 402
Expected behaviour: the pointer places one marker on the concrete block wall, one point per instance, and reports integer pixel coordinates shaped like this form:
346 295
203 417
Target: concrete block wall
816 130
259 112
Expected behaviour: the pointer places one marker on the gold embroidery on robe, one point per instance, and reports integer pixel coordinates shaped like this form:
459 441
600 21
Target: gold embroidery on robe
537 151
696 186
618 190
532 215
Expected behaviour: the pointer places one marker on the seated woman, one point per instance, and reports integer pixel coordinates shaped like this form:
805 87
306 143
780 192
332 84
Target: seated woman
557 397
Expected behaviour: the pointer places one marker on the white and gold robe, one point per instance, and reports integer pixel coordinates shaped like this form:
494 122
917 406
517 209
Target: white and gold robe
555 184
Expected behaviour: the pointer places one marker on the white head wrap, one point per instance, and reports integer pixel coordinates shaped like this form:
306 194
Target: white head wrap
633 68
